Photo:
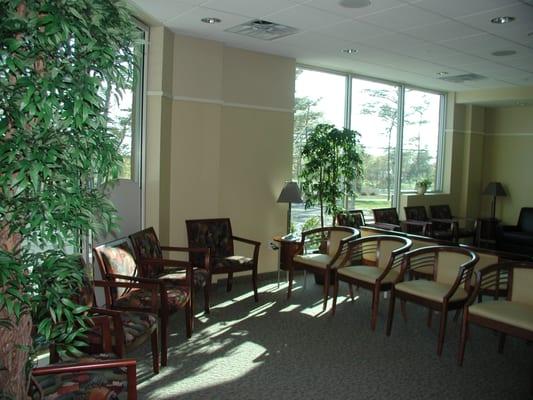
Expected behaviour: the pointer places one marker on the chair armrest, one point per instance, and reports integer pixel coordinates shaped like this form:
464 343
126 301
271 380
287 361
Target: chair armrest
186 265
385 225
156 287
248 241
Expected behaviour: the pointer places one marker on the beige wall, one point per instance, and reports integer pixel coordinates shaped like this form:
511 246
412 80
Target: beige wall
220 139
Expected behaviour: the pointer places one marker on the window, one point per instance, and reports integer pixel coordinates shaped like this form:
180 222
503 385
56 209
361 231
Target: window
400 127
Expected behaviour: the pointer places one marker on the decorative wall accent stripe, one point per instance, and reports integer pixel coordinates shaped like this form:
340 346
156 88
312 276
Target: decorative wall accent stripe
218 102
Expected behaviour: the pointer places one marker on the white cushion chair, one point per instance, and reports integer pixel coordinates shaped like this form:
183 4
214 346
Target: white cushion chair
510 314
321 250
373 263
448 288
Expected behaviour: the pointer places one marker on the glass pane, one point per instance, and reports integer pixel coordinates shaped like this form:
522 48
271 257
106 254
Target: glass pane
420 145
319 98
375 117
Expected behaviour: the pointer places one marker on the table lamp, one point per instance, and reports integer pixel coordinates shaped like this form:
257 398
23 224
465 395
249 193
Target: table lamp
290 194
494 189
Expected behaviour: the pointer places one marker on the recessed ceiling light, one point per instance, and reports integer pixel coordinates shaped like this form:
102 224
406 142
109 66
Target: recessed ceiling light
503 53
350 51
502 20
442 73
210 20
354 3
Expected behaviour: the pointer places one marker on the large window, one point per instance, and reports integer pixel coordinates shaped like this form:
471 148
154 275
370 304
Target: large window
400 129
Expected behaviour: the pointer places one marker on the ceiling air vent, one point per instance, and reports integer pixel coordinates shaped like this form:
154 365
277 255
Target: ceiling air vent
264 30
462 78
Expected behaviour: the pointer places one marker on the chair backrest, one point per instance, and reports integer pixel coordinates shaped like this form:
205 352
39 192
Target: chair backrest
214 234
449 261
352 218
335 237
146 245
386 215
525 221
116 257
516 275
417 213
522 282
377 249
442 211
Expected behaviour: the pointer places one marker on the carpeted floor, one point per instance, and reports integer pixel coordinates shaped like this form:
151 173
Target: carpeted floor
280 349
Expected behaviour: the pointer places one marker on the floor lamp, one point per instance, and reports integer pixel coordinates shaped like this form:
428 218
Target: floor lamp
290 194
494 189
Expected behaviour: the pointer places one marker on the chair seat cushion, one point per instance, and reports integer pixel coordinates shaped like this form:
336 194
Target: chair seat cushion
430 290
137 326
200 276
519 238
315 260
234 262
178 297
367 274
507 312
108 383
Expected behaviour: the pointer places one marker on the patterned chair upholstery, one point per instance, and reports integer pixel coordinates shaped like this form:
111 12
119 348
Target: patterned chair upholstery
216 235
97 377
443 220
416 221
147 247
386 218
118 265
352 218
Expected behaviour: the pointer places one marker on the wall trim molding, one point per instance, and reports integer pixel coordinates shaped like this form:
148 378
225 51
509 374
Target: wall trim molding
489 134
217 102
462 132
510 134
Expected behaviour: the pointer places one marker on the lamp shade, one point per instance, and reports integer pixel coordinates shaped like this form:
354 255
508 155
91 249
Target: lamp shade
290 193
495 189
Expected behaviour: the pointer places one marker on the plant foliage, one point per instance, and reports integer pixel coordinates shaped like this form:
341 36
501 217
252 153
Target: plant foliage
332 163
58 60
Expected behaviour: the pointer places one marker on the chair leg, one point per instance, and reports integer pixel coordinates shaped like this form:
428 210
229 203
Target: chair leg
501 342
207 290
335 293
430 317
350 290
254 283
155 352
403 310
442 329
188 319
375 306
391 311
464 336
229 281
291 277
326 290
164 340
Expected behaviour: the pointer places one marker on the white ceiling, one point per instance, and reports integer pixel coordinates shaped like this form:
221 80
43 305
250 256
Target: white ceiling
401 40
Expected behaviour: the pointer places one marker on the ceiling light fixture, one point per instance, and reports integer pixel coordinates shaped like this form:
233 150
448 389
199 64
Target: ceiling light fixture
502 20
354 3
350 51
211 20
442 73
503 53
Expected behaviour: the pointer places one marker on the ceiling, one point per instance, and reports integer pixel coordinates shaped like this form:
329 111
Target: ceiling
409 41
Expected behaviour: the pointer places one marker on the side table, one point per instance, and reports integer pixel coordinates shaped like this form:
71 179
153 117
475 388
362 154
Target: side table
288 248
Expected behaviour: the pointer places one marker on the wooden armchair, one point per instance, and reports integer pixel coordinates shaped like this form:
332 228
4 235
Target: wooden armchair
321 251
386 218
216 235
417 222
351 218
510 314
117 264
448 288
94 376
149 253
373 263
443 221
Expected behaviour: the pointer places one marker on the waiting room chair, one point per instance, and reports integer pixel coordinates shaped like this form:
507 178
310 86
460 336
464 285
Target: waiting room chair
417 222
149 251
351 218
216 235
117 264
386 218
510 314
448 289
517 238
321 250
373 263
443 220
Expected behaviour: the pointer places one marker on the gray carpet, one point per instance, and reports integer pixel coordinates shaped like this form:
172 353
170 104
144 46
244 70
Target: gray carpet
280 349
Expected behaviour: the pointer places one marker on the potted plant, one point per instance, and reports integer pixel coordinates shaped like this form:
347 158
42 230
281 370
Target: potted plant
423 185
59 61
331 164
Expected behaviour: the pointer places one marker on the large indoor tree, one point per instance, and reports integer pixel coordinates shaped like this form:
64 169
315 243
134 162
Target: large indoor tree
58 59
331 165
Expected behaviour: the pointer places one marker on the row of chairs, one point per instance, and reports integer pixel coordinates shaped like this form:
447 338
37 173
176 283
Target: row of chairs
441 225
419 270
143 283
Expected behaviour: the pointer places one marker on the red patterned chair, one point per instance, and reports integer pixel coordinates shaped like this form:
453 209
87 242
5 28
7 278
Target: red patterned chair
149 253
117 264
